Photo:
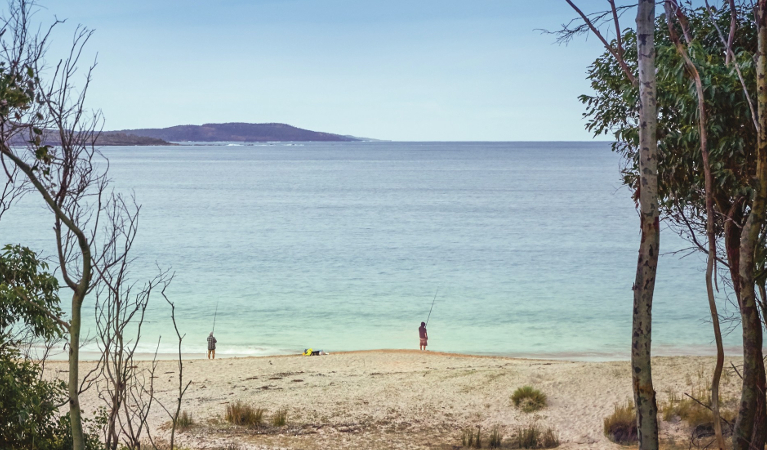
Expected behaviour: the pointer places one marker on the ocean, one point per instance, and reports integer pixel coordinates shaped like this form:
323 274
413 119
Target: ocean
530 248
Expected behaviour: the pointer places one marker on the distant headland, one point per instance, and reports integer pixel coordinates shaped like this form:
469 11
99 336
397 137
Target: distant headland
218 132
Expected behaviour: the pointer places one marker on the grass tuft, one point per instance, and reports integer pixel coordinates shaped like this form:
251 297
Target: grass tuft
692 412
621 426
280 418
238 413
534 436
528 399
471 440
495 438
184 421
550 439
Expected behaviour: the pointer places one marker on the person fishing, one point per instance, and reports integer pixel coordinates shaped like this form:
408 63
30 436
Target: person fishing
211 346
423 336
211 340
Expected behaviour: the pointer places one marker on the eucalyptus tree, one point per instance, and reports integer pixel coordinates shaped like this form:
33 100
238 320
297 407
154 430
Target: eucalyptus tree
730 71
642 79
677 18
751 425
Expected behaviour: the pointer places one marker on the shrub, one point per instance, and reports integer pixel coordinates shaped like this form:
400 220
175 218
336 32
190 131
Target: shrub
692 412
528 399
495 438
184 421
470 440
280 418
533 436
29 302
62 439
549 439
621 426
239 413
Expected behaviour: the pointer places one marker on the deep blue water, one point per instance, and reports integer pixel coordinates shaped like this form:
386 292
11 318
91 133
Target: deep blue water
341 246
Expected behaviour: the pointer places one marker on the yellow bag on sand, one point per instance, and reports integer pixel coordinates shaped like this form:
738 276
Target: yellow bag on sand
308 352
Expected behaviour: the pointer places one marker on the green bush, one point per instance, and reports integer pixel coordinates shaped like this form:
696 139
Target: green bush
29 412
528 399
62 439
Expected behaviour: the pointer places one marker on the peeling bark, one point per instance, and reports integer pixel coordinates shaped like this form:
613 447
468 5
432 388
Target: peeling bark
647 263
751 424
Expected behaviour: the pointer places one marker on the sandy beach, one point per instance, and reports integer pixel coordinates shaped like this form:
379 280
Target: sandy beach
406 399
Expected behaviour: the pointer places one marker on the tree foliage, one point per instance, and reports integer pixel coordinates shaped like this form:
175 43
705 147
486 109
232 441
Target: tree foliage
28 295
29 307
613 109
28 299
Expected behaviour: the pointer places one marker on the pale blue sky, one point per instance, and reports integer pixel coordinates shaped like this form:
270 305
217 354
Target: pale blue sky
399 70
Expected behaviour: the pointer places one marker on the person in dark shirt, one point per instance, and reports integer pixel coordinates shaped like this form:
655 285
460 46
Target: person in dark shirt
211 346
423 335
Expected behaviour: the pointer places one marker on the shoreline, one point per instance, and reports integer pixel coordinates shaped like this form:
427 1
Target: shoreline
92 356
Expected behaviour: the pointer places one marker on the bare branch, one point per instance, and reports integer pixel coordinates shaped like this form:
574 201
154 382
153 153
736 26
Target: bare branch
730 55
617 53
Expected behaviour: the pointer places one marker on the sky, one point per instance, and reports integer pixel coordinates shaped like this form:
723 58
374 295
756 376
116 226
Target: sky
415 70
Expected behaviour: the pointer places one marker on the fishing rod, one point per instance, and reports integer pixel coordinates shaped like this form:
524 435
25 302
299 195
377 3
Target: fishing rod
214 317
432 306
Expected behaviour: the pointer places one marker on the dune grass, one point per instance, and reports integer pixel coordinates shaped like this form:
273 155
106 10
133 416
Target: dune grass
471 440
693 412
535 436
529 399
280 418
239 413
184 421
621 426
496 437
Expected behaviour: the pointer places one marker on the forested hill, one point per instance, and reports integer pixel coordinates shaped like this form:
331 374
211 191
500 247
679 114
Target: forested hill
234 132
106 138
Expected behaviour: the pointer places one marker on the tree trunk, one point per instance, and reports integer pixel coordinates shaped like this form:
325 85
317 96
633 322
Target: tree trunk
75 412
711 259
717 337
751 426
644 285
732 234
763 297
672 8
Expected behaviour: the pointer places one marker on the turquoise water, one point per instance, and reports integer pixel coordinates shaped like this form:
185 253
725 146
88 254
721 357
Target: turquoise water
341 246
